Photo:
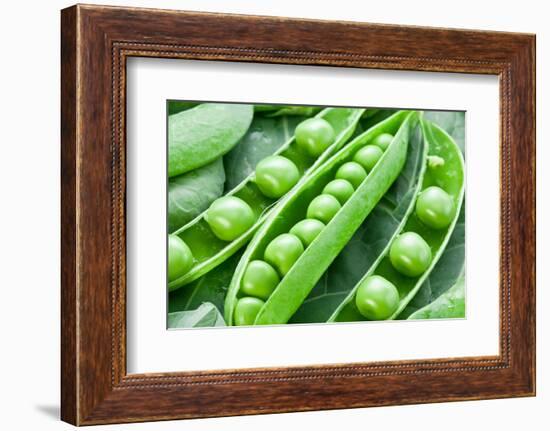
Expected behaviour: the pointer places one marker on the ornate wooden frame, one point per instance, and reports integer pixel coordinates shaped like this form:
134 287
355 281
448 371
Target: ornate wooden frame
95 43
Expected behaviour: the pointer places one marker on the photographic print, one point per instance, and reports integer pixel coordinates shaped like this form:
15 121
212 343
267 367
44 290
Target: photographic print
307 214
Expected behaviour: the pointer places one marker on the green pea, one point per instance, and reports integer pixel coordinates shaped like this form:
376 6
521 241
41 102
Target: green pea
283 251
352 172
180 257
229 217
410 254
340 189
383 141
246 310
323 207
435 208
276 175
307 230
259 279
314 136
368 156
376 298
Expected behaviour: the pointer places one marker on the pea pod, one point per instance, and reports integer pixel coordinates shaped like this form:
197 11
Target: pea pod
370 240
208 249
446 171
202 134
300 277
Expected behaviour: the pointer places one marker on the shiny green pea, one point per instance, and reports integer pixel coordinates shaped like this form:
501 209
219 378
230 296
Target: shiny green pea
276 175
314 136
410 254
229 217
246 310
340 189
307 230
180 257
323 207
352 172
368 156
259 279
283 251
377 298
435 208
383 141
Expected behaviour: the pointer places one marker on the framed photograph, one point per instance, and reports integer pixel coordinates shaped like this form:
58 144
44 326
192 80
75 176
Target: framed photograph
255 223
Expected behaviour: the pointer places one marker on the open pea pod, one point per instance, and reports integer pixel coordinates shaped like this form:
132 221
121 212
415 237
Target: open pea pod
207 249
370 240
446 171
303 274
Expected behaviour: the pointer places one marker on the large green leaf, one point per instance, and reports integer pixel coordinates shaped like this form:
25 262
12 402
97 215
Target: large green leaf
449 305
264 137
207 315
367 243
191 193
200 135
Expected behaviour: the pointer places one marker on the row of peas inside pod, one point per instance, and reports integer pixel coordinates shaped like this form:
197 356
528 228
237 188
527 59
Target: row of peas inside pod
377 298
231 220
261 277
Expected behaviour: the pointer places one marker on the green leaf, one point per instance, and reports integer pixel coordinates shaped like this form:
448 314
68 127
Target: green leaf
368 241
450 121
207 315
200 135
192 193
175 106
264 137
449 305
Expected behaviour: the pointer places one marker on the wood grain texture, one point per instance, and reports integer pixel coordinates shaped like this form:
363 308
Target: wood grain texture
96 42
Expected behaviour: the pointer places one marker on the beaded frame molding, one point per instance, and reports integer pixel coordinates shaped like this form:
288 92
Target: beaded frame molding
95 43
